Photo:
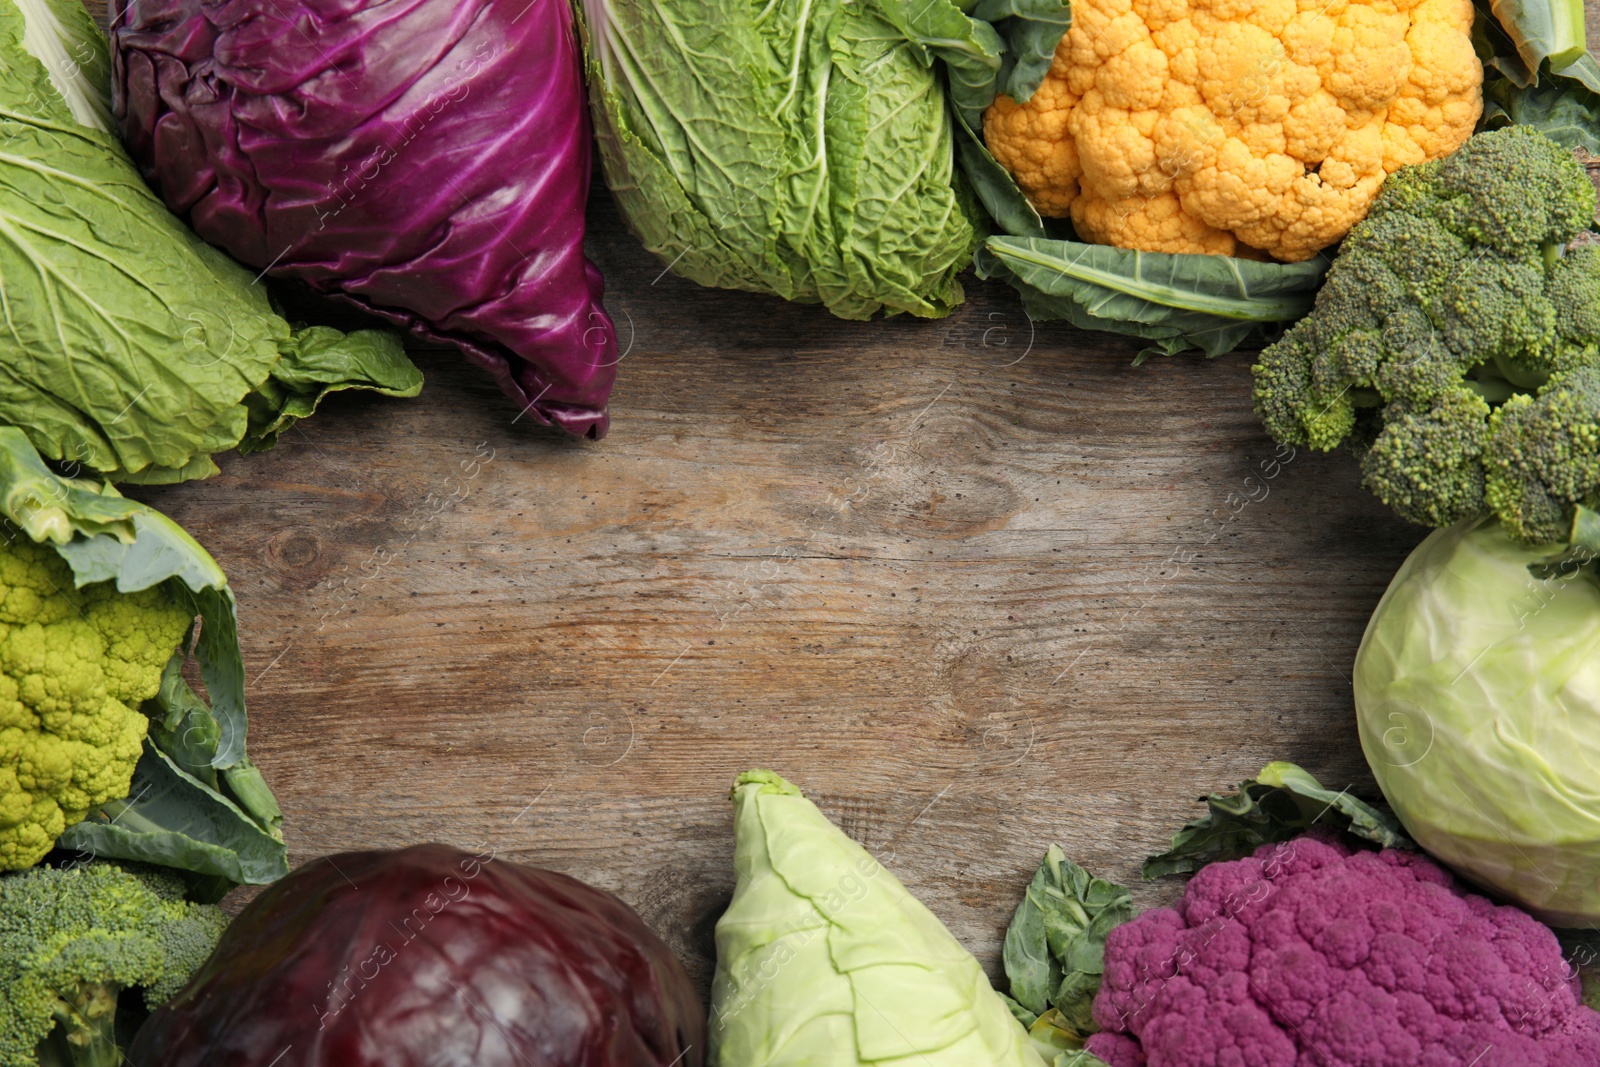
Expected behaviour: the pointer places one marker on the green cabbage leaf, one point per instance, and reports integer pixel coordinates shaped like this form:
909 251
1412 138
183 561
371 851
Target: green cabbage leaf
127 344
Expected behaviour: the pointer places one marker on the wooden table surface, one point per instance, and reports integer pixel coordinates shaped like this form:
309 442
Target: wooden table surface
976 585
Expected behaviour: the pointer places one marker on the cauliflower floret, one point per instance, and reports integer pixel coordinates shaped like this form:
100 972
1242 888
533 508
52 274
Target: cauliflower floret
1237 127
74 667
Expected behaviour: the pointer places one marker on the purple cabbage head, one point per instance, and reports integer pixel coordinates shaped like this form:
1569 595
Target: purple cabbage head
427 160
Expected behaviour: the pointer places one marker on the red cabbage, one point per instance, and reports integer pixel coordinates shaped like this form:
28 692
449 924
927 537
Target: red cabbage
427 160
431 957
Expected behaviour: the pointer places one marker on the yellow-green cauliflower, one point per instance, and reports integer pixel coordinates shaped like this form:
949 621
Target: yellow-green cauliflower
74 667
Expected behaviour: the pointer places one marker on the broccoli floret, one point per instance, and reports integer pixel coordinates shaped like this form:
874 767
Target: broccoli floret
1544 454
73 941
1574 292
1433 457
75 665
1454 342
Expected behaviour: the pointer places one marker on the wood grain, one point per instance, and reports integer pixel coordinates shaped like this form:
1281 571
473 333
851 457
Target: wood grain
976 585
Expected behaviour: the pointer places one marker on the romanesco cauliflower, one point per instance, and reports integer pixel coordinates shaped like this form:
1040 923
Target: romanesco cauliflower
74 667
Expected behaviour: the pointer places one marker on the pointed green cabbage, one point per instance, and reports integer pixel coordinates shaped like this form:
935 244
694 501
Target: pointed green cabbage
825 960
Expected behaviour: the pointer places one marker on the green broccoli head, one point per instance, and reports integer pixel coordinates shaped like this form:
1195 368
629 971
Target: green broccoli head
73 941
74 667
1448 315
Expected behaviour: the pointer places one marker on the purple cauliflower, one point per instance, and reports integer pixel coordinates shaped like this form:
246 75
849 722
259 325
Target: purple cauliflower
1313 954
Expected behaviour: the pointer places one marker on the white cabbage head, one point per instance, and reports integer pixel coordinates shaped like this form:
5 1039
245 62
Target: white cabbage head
1477 691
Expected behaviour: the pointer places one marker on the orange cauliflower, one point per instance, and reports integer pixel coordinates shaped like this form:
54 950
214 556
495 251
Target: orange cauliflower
1238 127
